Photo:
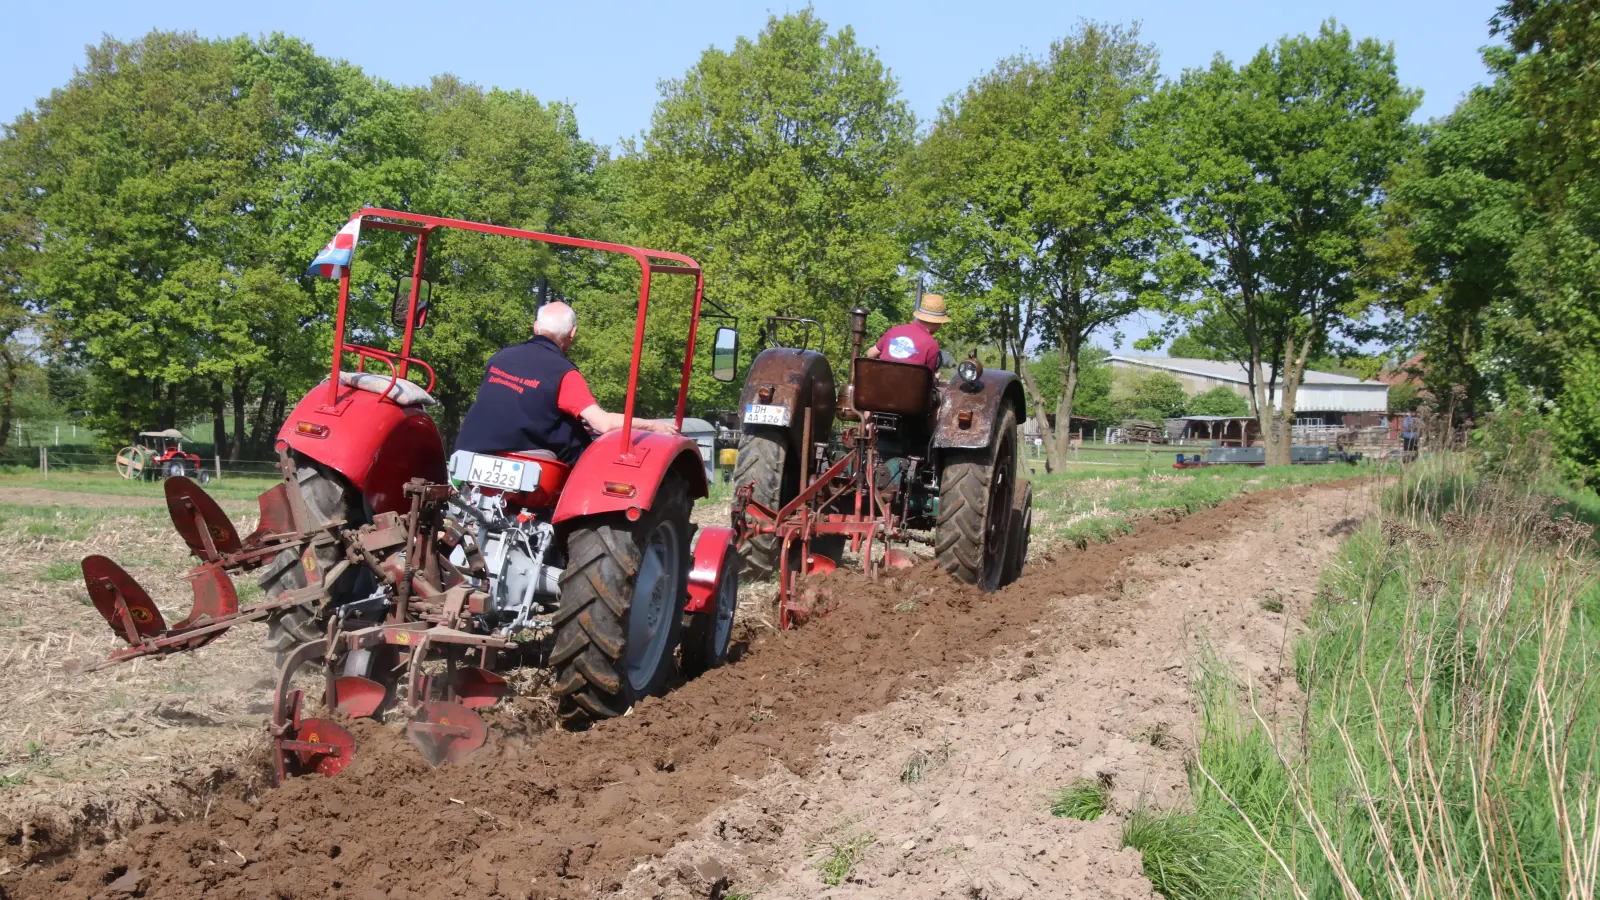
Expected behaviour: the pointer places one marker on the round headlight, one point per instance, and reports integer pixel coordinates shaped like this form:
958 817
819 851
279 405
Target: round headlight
969 370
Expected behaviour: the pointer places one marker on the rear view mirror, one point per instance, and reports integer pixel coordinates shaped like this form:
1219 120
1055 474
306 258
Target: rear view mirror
402 302
725 355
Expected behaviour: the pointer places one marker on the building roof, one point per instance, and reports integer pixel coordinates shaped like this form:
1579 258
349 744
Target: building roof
1225 371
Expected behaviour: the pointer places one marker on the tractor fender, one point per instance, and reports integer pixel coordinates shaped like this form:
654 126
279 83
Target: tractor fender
714 545
604 480
374 443
979 406
796 379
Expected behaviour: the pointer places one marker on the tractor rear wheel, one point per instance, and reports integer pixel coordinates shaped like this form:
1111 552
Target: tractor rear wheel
765 460
328 497
622 596
976 489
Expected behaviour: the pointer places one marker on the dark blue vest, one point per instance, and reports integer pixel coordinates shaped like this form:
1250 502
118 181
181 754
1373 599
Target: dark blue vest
516 406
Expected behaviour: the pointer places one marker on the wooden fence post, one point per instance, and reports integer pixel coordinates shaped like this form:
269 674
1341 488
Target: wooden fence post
218 458
44 462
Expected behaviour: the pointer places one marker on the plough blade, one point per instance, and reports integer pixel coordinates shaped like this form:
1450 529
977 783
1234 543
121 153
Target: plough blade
446 731
214 596
200 521
277 514
358 697
321 746
121 601
476 687
130 612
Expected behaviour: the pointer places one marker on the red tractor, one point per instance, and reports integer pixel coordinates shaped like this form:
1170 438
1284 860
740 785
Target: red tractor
414 578
160 454
913 461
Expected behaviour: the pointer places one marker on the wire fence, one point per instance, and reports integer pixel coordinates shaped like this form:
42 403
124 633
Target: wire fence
44 461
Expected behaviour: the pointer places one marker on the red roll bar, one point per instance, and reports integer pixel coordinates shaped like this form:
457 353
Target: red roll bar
424 226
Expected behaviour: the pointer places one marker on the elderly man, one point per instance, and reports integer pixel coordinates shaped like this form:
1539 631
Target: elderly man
533 397
913 342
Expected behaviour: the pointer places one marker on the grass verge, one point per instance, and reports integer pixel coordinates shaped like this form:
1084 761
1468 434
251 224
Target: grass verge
1078 508
1450 743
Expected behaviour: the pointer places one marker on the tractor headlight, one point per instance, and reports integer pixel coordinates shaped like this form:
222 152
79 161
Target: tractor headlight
969 370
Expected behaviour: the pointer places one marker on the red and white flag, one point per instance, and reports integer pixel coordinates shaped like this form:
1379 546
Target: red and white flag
335 257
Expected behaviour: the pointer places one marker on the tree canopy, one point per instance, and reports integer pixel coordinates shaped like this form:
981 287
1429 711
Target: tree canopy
1041 194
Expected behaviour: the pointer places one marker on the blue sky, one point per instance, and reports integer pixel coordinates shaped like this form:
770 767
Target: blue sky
607 59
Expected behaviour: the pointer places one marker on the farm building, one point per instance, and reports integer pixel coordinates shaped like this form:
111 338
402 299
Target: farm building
1323 398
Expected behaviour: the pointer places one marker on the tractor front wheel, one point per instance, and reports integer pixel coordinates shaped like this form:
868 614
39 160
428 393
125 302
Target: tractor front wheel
976 489
622 596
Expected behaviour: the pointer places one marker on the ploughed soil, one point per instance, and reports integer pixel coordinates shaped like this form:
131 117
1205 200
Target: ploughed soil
555 814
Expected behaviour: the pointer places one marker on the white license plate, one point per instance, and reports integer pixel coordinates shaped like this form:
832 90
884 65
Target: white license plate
492 471
761 414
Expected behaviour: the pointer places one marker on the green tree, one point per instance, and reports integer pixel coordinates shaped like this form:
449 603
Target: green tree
1041 197
1188 346
773 165
177 187
1155 396
1549 328
1286 159
1219 401
1454 217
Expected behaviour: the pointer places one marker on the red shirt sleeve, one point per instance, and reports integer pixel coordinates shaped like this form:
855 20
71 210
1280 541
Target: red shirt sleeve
574 396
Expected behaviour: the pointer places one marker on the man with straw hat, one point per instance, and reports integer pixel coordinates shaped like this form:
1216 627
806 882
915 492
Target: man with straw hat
913 342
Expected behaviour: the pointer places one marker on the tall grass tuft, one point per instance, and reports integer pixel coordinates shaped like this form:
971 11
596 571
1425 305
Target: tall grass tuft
1450 744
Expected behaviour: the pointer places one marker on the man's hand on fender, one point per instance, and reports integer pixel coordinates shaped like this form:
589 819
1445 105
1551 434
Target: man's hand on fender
656 426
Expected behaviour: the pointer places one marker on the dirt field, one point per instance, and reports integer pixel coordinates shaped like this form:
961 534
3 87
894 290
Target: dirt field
749 778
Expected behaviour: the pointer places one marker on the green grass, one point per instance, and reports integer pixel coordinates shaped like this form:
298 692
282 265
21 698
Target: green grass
1448 745
842 856
1070 509
230 488
1084 799
61 570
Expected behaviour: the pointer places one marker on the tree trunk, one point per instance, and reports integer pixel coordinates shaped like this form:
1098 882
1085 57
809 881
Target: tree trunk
277 410
258 425
8 389
1295 355
1069 392
169 407
1041 415
240 383
219 418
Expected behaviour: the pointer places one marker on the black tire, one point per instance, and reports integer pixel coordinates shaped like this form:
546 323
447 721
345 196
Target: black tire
765 460
708 635
602 667
1020 529
174 469
205 476
975 497
328 497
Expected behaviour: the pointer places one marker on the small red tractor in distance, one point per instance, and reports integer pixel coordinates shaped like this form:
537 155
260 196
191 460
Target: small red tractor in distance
414 578
912 457
160 454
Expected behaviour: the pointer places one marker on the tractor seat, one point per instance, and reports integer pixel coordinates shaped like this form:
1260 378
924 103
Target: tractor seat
893 388
529 454
401 391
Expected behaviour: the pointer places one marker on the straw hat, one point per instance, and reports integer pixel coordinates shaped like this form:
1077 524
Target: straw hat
931 309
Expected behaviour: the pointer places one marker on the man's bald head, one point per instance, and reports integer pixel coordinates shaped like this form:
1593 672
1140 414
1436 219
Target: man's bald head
558 322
